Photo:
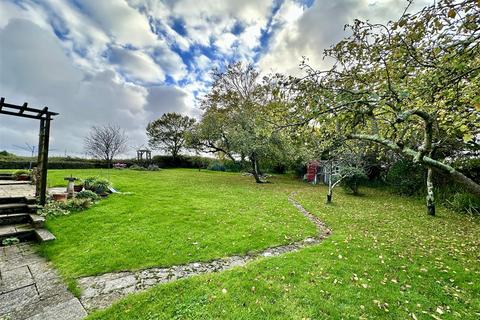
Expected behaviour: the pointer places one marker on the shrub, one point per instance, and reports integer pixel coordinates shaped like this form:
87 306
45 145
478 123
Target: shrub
54 209
137 167
153 167
18 173
87 194
406 178
77 204
469 167
353 178
216 166
464 202
60 208
231 166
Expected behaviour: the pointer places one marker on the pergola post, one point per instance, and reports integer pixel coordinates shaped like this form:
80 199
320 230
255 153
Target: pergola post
41 138
44 161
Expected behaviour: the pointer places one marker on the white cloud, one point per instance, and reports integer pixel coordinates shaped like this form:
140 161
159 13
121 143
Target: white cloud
123 23
137 65
310 32
82 99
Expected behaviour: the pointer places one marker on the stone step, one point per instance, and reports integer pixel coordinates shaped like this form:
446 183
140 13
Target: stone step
13 182
44 235
5 175
18 199
18 208
14 218
21 231
13 207
37 221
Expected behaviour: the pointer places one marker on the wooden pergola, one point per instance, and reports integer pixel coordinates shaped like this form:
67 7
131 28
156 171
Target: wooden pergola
144 152
45 117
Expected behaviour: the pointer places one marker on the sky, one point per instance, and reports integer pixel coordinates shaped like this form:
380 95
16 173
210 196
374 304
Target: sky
126 62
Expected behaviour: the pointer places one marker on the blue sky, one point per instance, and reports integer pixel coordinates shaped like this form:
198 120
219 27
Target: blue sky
129 61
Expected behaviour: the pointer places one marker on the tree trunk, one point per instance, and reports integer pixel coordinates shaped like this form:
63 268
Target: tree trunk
330 187
430 193
254 162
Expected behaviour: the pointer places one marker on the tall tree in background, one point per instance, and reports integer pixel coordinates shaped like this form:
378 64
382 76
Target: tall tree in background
235 121
105 142
410 86
168 133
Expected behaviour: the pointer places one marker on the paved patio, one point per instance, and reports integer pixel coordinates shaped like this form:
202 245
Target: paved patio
13 189
31 289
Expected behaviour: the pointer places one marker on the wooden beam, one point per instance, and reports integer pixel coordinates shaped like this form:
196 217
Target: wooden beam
29 116
24 107
42 112
37 113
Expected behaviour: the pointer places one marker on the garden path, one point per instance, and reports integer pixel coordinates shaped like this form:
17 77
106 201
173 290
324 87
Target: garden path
101 291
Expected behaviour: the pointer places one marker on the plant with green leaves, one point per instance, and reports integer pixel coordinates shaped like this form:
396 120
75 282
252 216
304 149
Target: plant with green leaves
10 241
87 194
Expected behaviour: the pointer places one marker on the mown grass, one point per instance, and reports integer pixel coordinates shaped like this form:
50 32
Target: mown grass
171 217
386 259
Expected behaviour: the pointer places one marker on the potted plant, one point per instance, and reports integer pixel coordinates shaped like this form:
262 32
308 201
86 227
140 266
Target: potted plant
78 186
101 187
88 183
59 196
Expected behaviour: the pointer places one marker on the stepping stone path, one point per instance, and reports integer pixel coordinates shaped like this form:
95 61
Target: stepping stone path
99 292
31 289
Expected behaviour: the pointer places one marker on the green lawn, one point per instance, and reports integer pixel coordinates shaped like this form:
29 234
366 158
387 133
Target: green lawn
386 259
171 217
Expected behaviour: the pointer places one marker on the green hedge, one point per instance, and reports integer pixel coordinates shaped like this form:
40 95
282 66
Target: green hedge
53 165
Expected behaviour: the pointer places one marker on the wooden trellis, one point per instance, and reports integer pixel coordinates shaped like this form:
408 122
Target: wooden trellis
45 116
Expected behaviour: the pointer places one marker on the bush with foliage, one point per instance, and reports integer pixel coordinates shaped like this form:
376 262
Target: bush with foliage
469 167
64 208
464 202
137 168
77 204
19 173
54 209
153 167
352 178
216 166
231 166
87 194
406 178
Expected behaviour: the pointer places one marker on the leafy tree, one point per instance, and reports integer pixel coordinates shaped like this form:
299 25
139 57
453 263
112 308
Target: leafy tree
237 116
106 142
169 132
410 86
